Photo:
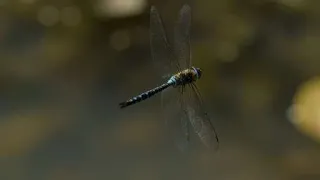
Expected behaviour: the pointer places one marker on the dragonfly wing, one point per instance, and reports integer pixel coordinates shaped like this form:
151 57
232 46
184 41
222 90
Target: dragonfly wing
182 37
175 116
199 119
162 53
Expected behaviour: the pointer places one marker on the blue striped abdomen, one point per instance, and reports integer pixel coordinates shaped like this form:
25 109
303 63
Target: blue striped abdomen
144 95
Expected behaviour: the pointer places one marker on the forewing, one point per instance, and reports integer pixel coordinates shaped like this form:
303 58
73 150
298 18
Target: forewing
182 37
199 119
162 53
175 116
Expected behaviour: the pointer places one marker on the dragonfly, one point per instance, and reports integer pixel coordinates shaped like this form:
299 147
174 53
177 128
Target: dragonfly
181 100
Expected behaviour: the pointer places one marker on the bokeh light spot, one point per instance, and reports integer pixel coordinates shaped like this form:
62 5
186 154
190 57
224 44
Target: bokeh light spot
305 112
48 15
119 8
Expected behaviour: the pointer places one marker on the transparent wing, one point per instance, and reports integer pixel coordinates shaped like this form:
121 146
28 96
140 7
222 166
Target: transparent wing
162 53
199 119
175 116
182 37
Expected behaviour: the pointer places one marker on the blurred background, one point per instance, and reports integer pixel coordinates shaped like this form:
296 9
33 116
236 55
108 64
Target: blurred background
66 64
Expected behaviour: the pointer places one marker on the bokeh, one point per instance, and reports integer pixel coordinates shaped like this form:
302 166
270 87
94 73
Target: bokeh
65 66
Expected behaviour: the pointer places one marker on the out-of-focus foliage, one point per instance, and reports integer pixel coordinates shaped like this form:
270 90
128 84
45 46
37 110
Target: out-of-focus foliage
65 66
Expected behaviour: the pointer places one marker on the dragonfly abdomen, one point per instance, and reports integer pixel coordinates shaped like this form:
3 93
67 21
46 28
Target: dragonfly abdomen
144 95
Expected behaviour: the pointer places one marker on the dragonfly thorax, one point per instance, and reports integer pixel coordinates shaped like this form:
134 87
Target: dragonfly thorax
186 76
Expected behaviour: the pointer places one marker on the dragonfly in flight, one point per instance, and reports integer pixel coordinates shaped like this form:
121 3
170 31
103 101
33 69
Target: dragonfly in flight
180 97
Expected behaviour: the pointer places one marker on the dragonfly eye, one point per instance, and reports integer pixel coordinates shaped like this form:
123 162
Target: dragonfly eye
199 72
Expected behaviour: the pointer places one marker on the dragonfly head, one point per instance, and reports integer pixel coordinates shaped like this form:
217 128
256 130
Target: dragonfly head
198 71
